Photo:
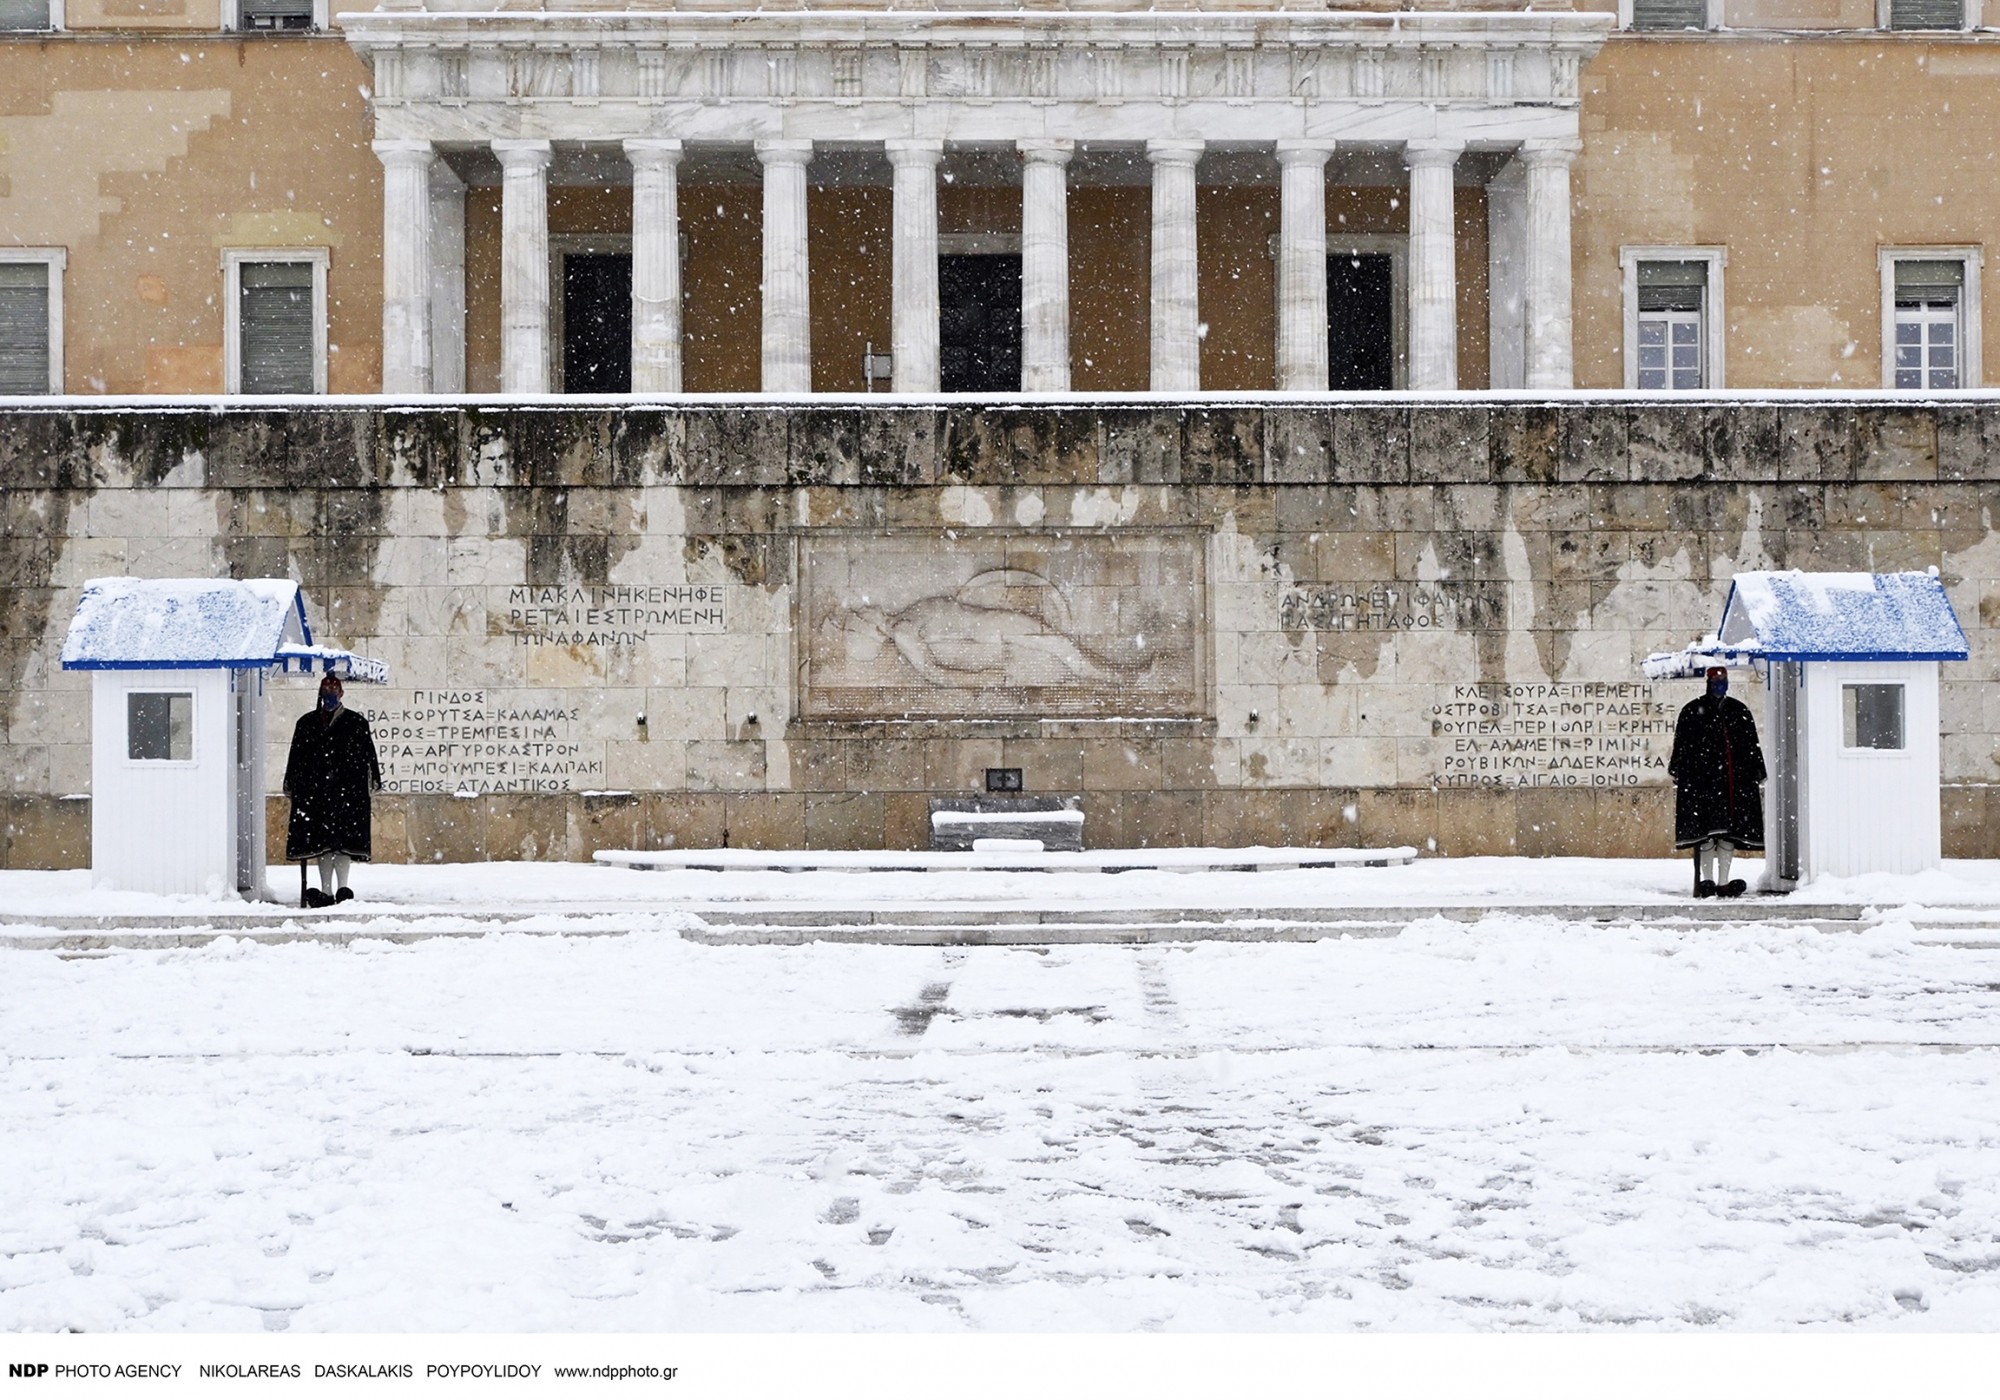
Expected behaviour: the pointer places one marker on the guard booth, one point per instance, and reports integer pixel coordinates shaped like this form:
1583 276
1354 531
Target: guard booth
180 668
1850 723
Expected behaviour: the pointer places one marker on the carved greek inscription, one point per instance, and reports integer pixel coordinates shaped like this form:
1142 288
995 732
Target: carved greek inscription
474 741
1392 607
611 615
1552 734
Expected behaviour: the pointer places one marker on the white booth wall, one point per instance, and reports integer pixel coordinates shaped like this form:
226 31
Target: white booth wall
1867 809
188 824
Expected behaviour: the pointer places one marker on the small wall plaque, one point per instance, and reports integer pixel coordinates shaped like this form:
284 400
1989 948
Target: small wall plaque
1003 780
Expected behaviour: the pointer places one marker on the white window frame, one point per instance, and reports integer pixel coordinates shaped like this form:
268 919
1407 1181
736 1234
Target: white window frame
57 262
232 19
1713 307
1711 17
1969 255
232 311
1969 17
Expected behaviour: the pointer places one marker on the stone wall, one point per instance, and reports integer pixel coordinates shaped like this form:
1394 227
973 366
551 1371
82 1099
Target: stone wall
781 625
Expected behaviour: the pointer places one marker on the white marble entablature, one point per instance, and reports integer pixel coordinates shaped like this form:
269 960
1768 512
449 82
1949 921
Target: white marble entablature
1481 77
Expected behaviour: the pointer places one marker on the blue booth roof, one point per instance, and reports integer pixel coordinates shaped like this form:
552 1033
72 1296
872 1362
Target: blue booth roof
184 624
1798 616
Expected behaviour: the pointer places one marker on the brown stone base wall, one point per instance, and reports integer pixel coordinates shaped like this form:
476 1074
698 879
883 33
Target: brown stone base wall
47 833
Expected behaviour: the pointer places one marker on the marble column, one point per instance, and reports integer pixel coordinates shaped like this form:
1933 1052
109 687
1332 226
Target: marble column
656 266
524 266
1302 327
1176 308
1550 355
1433 265
447 293
406 265
1506 277
1045 264
913 336
787 282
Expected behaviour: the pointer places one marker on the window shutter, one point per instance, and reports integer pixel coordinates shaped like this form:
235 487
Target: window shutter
1926 14
1929 279
1672 286
276 14
24 14
1669 14
277 329
24 328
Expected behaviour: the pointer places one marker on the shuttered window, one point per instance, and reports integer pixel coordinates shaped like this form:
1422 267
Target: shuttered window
274 14
24 328
1926 14
1669 14
1929 295
276 307
25 14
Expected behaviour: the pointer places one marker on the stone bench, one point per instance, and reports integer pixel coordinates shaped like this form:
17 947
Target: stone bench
958 822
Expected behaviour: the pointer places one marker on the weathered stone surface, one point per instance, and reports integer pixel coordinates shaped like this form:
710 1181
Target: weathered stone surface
553 574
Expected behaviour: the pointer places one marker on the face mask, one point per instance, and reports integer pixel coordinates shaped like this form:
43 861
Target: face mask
1718 686
329 702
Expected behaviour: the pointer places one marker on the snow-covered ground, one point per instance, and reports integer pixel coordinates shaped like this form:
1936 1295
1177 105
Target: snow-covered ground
1530 1121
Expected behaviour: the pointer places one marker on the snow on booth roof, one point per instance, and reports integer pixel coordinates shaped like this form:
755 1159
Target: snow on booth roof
1797 616
135 624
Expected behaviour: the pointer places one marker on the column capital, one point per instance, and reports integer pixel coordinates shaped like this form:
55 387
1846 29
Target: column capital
1046 152
1174 152
521 157
1304 152
1542 151
406 155
906 152
652 153
1425 154
785 152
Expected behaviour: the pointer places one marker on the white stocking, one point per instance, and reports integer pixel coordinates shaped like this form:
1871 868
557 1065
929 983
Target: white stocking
333 873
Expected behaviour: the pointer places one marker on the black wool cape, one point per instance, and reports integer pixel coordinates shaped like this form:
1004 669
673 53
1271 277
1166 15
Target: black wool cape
1717 767
329 775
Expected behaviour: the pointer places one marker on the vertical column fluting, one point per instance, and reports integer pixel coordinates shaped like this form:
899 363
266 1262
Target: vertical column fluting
406 265
524 266
447 279
1045 264
1433 265
913 332
1302 328
1506 277
787 279
1176 304
1550 354
656 266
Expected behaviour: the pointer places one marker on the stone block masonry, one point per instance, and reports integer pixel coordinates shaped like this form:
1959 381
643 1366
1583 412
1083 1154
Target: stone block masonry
1225 622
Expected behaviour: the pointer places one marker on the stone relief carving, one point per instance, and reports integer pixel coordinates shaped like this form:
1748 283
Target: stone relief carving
993 626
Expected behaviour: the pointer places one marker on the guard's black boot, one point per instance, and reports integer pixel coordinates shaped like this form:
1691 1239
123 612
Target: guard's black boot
317 899
1733 889
343 895
1704 888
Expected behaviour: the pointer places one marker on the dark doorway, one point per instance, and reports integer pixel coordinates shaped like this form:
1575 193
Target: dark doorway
979 323
597 323
1360 321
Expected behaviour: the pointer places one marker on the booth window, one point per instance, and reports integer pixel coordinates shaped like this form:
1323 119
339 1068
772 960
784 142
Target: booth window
1871 716
159 726
29 14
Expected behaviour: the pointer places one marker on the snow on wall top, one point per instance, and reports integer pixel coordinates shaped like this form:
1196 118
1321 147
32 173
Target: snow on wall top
1798 616
169 623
